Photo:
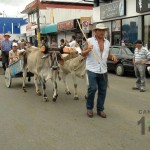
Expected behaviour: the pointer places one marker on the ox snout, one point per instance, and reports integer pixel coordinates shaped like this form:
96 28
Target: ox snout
55 67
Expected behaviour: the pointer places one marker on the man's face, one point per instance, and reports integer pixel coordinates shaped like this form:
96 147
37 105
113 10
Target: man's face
6 37
100 33
139 46
14 48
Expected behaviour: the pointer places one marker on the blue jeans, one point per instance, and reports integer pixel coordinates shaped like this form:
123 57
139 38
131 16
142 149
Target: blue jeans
96 81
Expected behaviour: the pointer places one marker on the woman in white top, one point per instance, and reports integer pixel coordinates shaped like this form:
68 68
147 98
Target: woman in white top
14 53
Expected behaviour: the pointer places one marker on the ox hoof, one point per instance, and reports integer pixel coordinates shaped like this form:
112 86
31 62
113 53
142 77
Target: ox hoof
68 92
38 93
76 98
55 98
24 89
46 99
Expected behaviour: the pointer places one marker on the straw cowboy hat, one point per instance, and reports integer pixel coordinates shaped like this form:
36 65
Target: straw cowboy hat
100 26
7 34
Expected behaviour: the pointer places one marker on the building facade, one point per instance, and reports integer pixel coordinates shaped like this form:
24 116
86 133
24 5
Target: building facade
54 13
12 26
128 20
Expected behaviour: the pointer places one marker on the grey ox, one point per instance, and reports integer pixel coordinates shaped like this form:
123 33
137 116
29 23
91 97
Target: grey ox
75 67
42 68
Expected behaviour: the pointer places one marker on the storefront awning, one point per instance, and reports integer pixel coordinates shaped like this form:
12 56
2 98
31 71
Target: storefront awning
49 29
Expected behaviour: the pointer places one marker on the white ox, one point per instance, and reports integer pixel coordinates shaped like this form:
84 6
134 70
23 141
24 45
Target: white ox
75 67
42 70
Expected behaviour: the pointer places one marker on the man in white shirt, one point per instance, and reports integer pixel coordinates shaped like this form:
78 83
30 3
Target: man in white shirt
73 42
97 52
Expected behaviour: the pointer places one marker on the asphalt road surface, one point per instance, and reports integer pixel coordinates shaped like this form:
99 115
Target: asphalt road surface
28 123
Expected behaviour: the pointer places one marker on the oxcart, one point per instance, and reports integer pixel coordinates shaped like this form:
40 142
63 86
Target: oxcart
14 70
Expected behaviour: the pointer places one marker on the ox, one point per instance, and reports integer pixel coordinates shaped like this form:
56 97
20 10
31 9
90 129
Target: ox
75 67
42 68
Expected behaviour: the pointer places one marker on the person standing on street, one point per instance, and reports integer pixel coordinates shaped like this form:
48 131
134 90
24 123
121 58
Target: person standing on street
97 52
141 57
6 46
72 42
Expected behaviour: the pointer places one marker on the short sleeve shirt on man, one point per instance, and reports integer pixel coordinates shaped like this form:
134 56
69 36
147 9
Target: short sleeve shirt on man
141 54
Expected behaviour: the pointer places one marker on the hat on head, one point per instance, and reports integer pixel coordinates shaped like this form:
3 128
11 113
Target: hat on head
14 44
139 42
7 34
100 26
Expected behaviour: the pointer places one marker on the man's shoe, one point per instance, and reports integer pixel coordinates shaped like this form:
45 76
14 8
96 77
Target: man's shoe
101 114
90 113
135 88
142 90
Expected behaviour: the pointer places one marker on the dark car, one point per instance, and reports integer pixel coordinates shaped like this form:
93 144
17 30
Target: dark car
124 64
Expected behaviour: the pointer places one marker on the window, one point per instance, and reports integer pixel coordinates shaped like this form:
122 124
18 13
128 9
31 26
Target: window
115 51
130 30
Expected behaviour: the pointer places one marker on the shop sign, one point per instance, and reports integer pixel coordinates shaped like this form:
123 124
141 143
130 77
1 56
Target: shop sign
66 25
30 33
112 10
85 21
142 6
28 27
116 25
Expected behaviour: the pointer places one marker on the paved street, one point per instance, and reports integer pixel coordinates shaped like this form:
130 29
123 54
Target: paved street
28 123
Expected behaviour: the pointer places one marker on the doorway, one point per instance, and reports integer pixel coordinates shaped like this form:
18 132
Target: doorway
116 38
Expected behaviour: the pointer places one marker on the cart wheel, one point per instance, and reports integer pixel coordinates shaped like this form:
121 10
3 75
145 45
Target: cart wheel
8 78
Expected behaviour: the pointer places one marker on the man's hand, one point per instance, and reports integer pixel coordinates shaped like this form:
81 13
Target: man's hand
90 47
114 58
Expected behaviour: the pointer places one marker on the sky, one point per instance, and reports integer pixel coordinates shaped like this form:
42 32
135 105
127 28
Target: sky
12 8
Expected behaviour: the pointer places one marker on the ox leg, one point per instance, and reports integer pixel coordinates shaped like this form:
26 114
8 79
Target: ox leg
55 95
75 86
36 85
66 85
24 79
44 88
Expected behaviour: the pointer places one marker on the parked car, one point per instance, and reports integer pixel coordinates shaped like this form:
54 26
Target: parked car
124 63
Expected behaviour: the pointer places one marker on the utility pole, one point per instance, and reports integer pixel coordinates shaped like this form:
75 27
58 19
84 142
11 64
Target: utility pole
38 22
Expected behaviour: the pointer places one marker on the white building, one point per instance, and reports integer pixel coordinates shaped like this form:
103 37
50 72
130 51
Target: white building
127 20
53 13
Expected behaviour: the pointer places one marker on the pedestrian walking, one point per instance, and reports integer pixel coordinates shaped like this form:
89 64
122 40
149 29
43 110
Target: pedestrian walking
97 52
141 57
6 46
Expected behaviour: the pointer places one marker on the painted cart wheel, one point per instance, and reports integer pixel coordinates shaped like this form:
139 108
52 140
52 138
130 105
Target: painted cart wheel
8 78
